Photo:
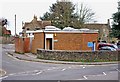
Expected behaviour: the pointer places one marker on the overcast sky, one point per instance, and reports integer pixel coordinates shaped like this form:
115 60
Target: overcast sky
26 9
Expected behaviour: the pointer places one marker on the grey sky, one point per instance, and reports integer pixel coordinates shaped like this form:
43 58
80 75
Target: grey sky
26 9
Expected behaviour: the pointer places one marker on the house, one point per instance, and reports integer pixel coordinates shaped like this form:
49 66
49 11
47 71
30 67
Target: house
5 35
35 24
5 31
52 38
103 30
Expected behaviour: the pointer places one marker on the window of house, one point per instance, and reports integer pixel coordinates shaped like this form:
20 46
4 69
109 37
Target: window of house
37 28
28 29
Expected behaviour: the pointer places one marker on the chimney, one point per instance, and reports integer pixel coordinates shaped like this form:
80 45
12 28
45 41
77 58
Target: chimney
108 22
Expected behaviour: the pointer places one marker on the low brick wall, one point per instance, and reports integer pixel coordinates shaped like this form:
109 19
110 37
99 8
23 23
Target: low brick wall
78 56
22 45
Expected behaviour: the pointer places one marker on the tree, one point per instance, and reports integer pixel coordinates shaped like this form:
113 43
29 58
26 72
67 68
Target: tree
116 25
4 22
62 14
86 14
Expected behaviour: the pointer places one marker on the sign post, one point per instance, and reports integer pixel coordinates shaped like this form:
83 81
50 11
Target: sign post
91 45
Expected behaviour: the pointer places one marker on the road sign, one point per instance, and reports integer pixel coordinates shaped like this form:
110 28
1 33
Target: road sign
90 44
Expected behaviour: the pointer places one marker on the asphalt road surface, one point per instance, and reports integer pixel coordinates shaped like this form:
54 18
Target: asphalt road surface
26 70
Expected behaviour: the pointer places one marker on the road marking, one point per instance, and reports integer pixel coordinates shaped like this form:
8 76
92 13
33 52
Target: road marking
63 69
52 68
39 73
118 70
3 77
12 74
26 73
104 73
85 77
83 67
49 69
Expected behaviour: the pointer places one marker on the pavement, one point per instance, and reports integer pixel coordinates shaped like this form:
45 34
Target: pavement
33 57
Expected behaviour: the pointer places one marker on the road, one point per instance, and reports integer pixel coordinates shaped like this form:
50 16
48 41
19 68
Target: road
26 70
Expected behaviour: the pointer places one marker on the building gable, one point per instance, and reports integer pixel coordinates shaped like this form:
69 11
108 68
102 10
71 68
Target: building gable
35 24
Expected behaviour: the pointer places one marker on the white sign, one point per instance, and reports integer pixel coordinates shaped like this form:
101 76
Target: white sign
55 40
49 35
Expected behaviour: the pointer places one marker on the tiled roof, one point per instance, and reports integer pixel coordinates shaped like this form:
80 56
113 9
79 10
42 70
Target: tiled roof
96 26
35 23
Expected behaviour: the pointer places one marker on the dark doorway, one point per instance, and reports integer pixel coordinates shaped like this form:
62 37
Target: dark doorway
49 43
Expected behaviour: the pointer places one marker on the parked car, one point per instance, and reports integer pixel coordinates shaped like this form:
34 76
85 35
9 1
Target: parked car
118 44
107 48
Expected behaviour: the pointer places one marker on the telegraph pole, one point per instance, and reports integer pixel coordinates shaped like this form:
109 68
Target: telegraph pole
15 24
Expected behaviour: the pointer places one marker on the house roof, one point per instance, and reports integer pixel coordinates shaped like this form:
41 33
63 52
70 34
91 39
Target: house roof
36 24
5 31
96 26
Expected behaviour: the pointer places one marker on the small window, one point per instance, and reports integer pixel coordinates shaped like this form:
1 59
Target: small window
37 28
28 29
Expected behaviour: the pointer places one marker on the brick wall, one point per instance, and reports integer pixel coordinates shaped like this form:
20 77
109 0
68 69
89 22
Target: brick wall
38 42
78 56
19 45
88 37
68 41
26 45
22 45
74 41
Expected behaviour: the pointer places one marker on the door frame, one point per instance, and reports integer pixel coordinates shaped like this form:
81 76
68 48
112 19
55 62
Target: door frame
51 37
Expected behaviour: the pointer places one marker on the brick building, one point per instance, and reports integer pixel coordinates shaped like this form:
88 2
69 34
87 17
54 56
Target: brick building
52 38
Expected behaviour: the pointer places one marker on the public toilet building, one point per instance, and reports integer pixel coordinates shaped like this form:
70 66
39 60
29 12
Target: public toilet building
52 38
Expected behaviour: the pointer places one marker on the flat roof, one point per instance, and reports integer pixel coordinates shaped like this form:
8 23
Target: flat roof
63 31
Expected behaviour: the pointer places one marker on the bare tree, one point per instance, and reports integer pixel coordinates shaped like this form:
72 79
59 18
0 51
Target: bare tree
85 14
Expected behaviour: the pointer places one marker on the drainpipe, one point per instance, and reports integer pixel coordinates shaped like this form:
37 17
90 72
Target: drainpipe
44 38
93 48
